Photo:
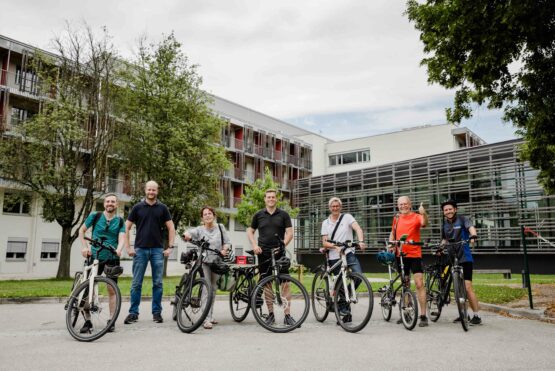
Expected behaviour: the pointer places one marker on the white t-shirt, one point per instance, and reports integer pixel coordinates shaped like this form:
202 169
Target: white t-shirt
344 232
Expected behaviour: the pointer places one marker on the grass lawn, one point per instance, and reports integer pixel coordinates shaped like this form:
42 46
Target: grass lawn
490 288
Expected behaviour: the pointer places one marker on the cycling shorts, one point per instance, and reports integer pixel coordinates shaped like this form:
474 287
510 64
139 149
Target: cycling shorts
413 265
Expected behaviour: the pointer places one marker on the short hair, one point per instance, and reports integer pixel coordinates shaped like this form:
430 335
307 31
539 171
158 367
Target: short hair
207 208
407 197
335 199
270 190
110 195
151 182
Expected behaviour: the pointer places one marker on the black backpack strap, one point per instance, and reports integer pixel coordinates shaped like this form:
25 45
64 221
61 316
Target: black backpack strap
95 219
336 226
221 234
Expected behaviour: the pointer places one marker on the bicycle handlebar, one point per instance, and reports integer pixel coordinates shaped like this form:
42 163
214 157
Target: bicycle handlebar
205 245
101 245
346 244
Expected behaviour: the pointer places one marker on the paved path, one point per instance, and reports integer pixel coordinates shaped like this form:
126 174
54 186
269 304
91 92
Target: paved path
33 337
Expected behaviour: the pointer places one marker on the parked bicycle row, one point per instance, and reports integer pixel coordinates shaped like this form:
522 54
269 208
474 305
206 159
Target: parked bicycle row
279 302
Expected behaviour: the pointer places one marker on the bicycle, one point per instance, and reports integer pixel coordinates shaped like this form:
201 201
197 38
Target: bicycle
193 295
408 303
282 292
348 294
240 295
95 301
438 285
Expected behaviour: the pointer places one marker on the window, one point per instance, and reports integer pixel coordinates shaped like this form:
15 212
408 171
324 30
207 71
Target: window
16 249
16 203
349 157
49 250
19 115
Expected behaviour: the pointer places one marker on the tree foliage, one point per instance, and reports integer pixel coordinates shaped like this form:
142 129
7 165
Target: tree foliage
498 53
253 199
61 153
172 136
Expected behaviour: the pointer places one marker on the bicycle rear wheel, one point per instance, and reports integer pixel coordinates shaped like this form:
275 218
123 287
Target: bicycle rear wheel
353 311
90 320
387 302
434 299
239 297
460 297
285 303
193 306
408 307
320 296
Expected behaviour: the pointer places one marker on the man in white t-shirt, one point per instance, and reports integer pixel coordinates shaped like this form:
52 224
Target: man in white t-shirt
344 232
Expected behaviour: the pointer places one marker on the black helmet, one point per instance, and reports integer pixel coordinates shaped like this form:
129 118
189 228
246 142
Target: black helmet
113 271
449 202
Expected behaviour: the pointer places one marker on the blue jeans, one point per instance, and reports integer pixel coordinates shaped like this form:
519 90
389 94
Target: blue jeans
143 256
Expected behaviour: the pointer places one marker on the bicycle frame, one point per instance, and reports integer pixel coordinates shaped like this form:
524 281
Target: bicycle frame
332 278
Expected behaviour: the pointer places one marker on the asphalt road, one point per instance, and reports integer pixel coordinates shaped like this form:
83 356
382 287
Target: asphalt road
34 337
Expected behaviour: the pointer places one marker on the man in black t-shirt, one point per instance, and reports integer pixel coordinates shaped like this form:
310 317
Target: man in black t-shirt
271 221
150 216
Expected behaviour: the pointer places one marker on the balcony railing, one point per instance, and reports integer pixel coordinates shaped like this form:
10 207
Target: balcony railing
248 176
20 82
238 143
236 201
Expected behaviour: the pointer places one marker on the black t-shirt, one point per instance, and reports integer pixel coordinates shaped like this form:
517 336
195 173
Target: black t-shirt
270 224
150 220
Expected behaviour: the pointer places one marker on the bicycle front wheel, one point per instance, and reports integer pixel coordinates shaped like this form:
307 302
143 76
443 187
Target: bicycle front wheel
353 302
320 296
460 297
88 320
433 296
193 306
285 303
408 306
239 297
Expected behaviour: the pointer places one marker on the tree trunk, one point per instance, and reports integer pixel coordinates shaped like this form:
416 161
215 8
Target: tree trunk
65 252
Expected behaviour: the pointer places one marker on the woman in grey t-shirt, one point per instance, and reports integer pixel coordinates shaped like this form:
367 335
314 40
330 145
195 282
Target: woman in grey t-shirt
212 232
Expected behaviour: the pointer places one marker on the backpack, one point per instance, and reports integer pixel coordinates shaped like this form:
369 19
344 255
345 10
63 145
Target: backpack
97 217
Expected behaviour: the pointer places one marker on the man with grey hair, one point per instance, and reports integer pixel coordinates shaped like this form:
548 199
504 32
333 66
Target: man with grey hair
149 215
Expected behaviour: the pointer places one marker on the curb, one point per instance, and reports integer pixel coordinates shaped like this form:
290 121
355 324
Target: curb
533 314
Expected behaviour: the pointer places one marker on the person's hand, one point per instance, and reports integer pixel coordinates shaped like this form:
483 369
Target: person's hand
322 250
118 251
421 208
168 251
362 245
186 236
391 248
224 251
257 250
131 251
86 251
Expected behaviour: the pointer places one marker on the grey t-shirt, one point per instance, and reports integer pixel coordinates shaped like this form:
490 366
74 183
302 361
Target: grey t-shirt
212 235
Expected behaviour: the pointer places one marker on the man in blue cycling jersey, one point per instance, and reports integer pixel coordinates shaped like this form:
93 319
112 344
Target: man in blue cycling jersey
455 229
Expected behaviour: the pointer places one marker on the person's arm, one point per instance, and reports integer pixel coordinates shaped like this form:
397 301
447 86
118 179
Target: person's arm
360 234
473 233
288 235
227 242
121 243
250 235
171 237
86 249
423 215
128 247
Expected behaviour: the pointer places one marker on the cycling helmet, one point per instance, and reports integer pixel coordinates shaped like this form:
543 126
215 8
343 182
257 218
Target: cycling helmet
113 270
284 263
230 257
385 257
449 202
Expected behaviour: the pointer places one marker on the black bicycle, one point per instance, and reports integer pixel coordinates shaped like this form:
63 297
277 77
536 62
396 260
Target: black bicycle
408 303
285 300
440 276
193 295
240 296
348 294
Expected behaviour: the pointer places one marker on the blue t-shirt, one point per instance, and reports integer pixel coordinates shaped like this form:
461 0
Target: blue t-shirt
458 230
110 230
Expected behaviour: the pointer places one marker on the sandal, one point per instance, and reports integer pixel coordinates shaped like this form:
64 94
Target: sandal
207 325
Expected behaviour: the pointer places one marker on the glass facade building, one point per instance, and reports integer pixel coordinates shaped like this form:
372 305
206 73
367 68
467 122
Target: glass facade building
491 185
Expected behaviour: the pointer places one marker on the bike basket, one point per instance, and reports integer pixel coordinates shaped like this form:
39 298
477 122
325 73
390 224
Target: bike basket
226 282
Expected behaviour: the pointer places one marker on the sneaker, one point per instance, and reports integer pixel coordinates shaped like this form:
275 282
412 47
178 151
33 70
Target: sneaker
112 328
131 317
87 327
423 321
344 312
270 320
288 320
214 322
208 325
458 319
157 317
348 318
476 320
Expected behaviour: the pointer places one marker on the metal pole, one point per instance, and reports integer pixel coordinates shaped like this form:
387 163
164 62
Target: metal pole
526 268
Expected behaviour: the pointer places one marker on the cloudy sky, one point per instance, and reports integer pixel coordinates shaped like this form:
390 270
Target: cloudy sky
339 68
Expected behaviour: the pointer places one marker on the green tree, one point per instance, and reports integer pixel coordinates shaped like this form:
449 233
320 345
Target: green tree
173 137
253 199
498 53
61 154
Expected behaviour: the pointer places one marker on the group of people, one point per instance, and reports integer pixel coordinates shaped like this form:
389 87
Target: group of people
274 227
